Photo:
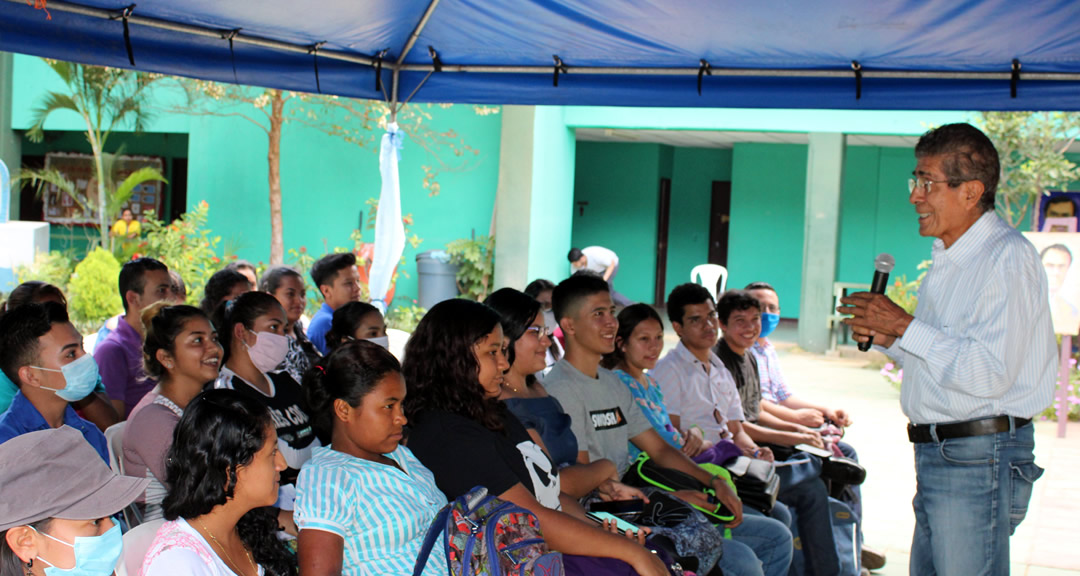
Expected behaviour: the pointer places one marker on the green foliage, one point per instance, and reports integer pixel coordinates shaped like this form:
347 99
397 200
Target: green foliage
405 318
185 245
54 267
475 259
906 294
1072 397
1032 148
93 295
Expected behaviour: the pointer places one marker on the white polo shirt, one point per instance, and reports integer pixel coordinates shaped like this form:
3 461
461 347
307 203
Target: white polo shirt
705 399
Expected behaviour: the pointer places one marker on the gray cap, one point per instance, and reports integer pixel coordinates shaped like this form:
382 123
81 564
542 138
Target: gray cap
57 474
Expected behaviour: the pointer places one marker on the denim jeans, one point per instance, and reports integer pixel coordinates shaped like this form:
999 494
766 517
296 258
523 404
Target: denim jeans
971 495
759 546
810 501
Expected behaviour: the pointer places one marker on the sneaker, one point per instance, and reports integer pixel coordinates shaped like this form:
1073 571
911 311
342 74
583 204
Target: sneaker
872 559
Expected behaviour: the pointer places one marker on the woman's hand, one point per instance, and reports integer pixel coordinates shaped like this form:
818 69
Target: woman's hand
613 490
638 535
645 563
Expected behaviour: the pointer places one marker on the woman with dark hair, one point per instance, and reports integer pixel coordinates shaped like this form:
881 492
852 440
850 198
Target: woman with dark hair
223 286
357 321
222 472
252 334
527 339
181 352
541 290
58 499
638 344
356 396
287 285
454 367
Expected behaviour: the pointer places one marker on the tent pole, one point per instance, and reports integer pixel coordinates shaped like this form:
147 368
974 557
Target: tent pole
416 32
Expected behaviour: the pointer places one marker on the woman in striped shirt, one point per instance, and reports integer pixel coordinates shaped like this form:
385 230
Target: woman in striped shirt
363 504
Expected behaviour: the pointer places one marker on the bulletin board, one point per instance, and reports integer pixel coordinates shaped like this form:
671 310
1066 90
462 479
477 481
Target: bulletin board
79 168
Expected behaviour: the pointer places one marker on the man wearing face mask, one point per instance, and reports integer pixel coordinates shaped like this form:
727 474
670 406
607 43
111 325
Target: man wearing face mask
42 353
54 516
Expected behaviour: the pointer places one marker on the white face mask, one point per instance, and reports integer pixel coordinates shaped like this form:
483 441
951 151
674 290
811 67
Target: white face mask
383 341
269 350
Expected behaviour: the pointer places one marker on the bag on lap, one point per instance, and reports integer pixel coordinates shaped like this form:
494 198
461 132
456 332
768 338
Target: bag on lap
644 472
485 536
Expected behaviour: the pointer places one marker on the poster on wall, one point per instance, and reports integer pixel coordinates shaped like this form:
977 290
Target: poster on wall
1058 252
1057 204
60 208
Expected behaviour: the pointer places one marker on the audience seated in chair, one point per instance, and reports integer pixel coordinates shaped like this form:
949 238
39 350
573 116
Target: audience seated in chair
58 499
182 353
222 472
224 285
287 285
338 280
42 352
606 419
357 321
119 357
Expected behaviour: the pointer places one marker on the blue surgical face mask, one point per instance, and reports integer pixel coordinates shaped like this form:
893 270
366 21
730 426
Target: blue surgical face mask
94 555
769 323
80 376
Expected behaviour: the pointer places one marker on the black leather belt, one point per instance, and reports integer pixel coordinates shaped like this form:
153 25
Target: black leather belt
920 433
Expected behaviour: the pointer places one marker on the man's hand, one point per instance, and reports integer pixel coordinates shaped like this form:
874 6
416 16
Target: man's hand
614 490
811 437
874 316
693 442
838 416
809 417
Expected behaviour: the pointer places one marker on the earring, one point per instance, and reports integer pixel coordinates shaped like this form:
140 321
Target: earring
29 566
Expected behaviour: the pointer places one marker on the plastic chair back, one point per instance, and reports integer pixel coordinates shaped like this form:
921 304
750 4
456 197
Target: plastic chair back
712 276
136 544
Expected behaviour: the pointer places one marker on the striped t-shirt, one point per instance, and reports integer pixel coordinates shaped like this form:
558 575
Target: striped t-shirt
381 512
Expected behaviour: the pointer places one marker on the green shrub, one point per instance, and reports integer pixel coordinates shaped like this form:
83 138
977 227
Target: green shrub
405 318
54 267
475 259
184 245
93 294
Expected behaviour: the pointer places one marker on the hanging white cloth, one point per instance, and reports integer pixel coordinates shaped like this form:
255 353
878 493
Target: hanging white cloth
389 230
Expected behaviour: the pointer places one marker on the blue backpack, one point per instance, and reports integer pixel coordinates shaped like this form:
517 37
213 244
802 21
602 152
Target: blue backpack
485 536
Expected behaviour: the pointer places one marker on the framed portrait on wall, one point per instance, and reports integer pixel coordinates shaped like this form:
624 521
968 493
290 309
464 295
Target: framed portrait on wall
1058 252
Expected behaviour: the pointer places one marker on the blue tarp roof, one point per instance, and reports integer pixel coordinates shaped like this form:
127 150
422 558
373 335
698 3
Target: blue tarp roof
773 54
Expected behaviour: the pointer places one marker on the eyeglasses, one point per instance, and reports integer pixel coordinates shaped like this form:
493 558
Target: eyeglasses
541 331
925 184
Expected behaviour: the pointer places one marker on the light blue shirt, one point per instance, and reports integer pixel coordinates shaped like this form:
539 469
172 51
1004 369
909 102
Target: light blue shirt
982 341
381 512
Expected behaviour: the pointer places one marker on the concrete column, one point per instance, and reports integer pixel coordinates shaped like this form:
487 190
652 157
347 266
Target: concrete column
821 233
535 198
10 148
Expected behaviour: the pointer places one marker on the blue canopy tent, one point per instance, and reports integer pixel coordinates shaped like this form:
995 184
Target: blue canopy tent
893 54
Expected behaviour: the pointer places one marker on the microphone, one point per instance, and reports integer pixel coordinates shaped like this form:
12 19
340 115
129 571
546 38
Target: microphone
883 264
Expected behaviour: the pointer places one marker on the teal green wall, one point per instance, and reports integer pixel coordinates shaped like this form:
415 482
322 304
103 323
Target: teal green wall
765 243
552 195
326 182
691 202
621 183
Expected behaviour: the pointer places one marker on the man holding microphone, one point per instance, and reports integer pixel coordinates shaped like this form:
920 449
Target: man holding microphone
979 359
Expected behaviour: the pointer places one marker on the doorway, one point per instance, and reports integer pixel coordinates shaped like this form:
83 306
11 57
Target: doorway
662 214
719 223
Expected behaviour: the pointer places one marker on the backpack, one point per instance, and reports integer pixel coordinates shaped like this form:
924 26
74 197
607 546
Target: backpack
644 472
485 536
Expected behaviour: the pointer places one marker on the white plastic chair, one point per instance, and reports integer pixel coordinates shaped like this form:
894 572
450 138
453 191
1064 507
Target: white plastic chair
114 437
136 544
712 276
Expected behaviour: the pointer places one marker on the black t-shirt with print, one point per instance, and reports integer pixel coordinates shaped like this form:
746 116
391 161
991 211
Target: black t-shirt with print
296 437
745 371
463 454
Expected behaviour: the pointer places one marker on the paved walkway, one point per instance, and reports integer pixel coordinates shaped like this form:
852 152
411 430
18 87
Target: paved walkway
1045 544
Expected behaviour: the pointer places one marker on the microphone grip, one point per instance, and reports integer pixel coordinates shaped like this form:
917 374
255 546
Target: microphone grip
881 281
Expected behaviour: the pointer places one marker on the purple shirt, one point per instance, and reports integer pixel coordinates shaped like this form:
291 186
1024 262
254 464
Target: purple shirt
119 360
773 387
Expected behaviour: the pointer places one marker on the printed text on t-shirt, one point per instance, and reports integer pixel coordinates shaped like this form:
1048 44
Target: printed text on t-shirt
607 419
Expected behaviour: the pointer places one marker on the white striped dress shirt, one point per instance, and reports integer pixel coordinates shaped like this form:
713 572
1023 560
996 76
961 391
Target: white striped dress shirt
982 342
381 512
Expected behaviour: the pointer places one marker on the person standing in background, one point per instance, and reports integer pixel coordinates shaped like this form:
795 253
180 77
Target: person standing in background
601 261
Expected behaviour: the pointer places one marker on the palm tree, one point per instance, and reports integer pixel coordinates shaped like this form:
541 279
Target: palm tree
106 99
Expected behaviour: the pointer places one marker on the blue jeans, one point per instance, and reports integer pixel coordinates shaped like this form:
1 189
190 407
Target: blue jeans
971 495
759 546
810 501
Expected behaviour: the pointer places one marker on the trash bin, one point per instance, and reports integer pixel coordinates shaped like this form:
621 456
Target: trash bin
436 278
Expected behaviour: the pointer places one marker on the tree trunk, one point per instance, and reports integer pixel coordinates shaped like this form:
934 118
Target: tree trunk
99 168
277 229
